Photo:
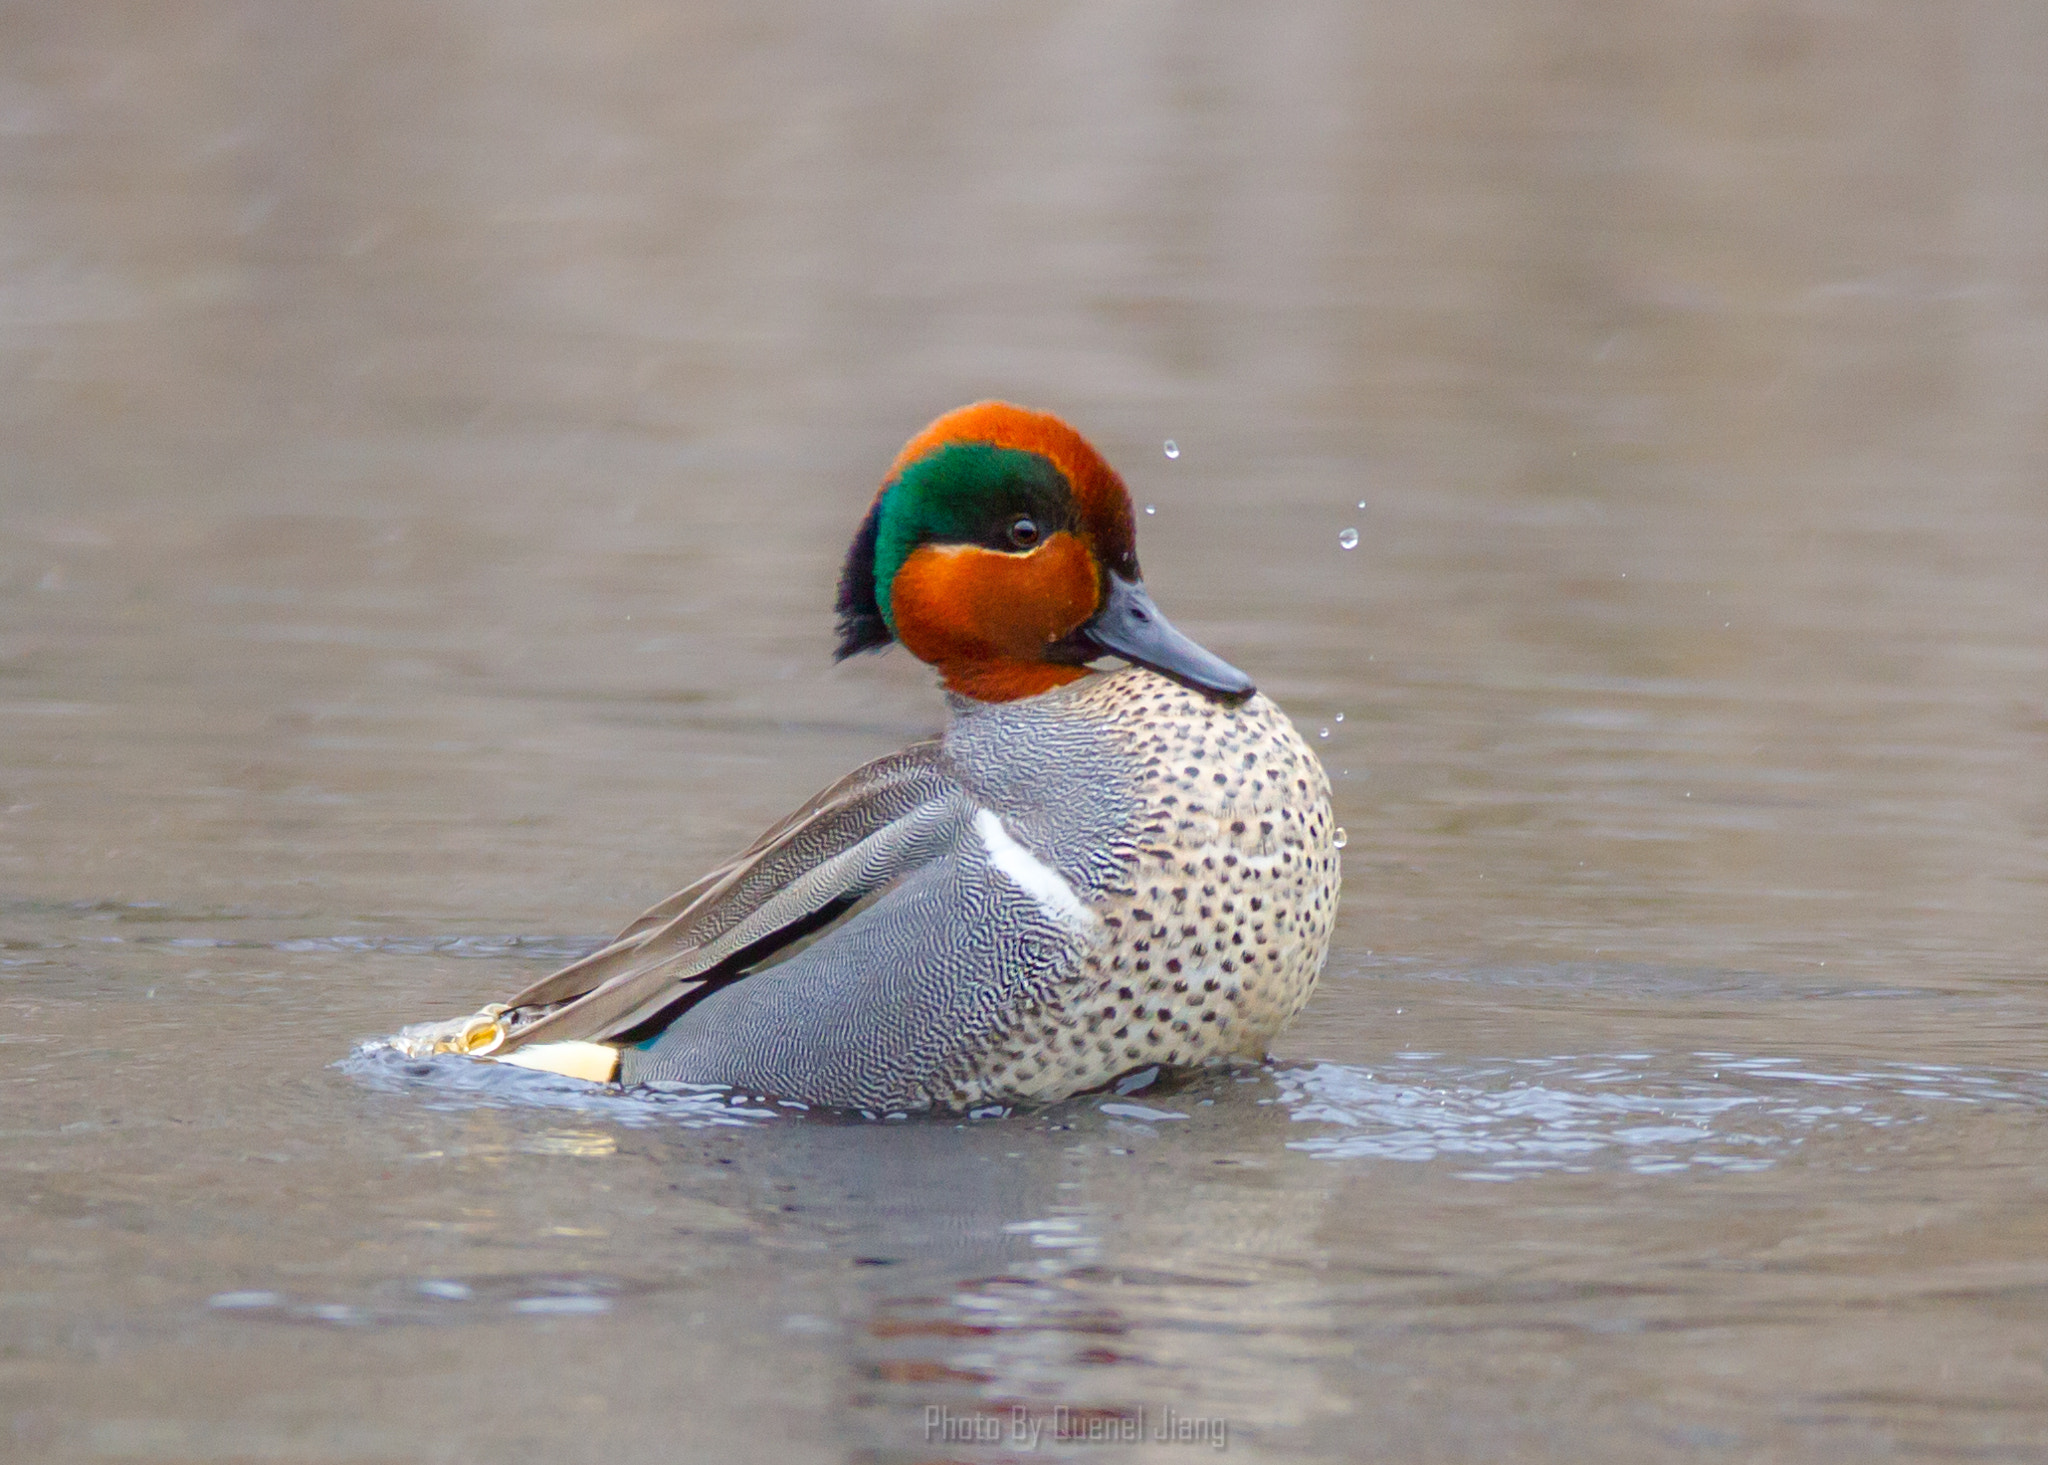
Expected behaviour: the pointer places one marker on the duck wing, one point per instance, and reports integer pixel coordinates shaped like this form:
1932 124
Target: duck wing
857 837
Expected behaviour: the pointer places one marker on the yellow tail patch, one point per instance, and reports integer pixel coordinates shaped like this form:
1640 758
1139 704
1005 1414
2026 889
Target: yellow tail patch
597 1062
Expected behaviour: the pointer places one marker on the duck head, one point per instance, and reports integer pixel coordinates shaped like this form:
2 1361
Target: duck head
1001 550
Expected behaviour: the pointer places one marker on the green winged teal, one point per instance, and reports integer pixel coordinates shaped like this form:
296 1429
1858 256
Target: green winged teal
1087 874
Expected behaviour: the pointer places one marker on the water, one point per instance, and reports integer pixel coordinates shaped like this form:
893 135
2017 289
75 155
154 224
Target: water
431 440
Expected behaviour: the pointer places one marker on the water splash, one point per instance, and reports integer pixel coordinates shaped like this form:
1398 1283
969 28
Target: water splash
451 1081
1648 1113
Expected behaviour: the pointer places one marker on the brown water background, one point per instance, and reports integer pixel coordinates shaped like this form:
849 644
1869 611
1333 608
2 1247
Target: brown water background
428 433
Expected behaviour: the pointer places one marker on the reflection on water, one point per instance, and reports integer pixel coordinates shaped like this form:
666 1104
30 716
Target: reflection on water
433 1301
432 432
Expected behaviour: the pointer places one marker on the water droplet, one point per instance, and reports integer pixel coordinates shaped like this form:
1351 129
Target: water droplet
1172 448
1348 539
1361 503
1340 838
1340 717
1324 733
1151 508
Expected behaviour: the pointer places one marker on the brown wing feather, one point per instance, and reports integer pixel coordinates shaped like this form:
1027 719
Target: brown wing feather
792 872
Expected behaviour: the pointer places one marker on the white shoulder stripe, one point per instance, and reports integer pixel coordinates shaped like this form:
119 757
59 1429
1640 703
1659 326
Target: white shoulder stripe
1034 876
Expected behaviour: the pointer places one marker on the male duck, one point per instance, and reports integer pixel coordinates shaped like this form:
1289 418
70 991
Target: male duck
1084 876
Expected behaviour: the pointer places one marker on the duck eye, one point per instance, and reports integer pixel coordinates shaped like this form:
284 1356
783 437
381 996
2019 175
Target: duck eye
1023 532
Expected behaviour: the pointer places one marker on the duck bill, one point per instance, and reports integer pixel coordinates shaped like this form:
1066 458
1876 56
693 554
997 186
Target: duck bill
1130 625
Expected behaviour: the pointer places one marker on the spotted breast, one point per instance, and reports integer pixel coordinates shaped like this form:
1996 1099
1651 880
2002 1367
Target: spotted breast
1211 919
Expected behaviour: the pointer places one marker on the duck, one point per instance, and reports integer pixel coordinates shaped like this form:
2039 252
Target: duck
1089 874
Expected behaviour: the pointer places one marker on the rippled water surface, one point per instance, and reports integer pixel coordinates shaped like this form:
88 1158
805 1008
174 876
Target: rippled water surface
1617 437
